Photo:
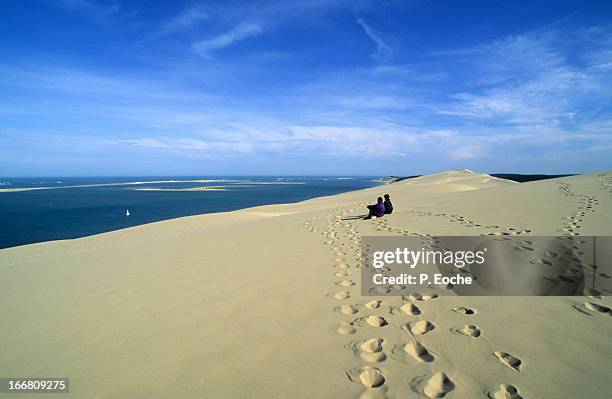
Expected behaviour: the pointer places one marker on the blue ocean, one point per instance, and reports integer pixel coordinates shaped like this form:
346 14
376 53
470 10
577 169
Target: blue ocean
52 209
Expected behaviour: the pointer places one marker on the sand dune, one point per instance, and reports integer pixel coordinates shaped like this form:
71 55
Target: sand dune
265 302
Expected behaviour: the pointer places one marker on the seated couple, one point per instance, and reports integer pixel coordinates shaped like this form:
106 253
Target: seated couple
381 208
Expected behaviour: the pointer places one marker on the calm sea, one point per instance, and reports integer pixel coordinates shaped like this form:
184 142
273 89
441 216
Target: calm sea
54 214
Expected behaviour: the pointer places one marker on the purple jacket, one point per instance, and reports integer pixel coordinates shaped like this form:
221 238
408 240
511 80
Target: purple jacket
379 210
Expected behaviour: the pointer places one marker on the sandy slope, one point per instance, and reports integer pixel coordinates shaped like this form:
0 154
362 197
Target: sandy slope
260 303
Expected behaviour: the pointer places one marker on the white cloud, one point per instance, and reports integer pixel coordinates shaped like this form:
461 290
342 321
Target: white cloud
189 17
106 88
531 80
383 51
241 32
324 140
361 141
143 142
466 152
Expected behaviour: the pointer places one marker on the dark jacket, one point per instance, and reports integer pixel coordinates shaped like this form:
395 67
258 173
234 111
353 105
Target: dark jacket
388 206
379 210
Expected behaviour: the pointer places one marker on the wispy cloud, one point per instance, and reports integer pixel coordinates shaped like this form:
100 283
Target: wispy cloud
383 52
239 33
323 140
183 144
187 18
76 83
532 80
365 141
466 152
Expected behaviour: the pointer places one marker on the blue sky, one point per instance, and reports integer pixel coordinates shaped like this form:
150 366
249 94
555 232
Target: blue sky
94 87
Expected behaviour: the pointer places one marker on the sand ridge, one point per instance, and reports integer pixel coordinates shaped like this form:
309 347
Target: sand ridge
265 302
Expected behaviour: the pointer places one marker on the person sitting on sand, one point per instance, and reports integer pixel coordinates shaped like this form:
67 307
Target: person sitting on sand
377 210
388 205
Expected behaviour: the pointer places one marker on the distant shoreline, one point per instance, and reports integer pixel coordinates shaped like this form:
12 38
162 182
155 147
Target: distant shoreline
238 182
202 188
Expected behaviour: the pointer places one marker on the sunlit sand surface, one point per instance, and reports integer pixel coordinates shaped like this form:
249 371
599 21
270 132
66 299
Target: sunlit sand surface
265 302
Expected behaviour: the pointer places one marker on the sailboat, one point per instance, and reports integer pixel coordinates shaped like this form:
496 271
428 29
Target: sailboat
127 212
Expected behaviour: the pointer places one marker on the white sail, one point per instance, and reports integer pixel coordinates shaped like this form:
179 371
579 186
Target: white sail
127 212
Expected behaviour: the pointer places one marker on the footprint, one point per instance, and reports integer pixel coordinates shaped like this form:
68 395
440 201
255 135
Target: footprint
368 376
380 290
347 309
421 327
428 296
342 295
513 362
412 297
372 345
342 273
438 386
541 262
592 293
411 309
376 321
596 307
371 377
345 329
375 304
372 350
465 310
418 352
469 330
505 391
345 283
